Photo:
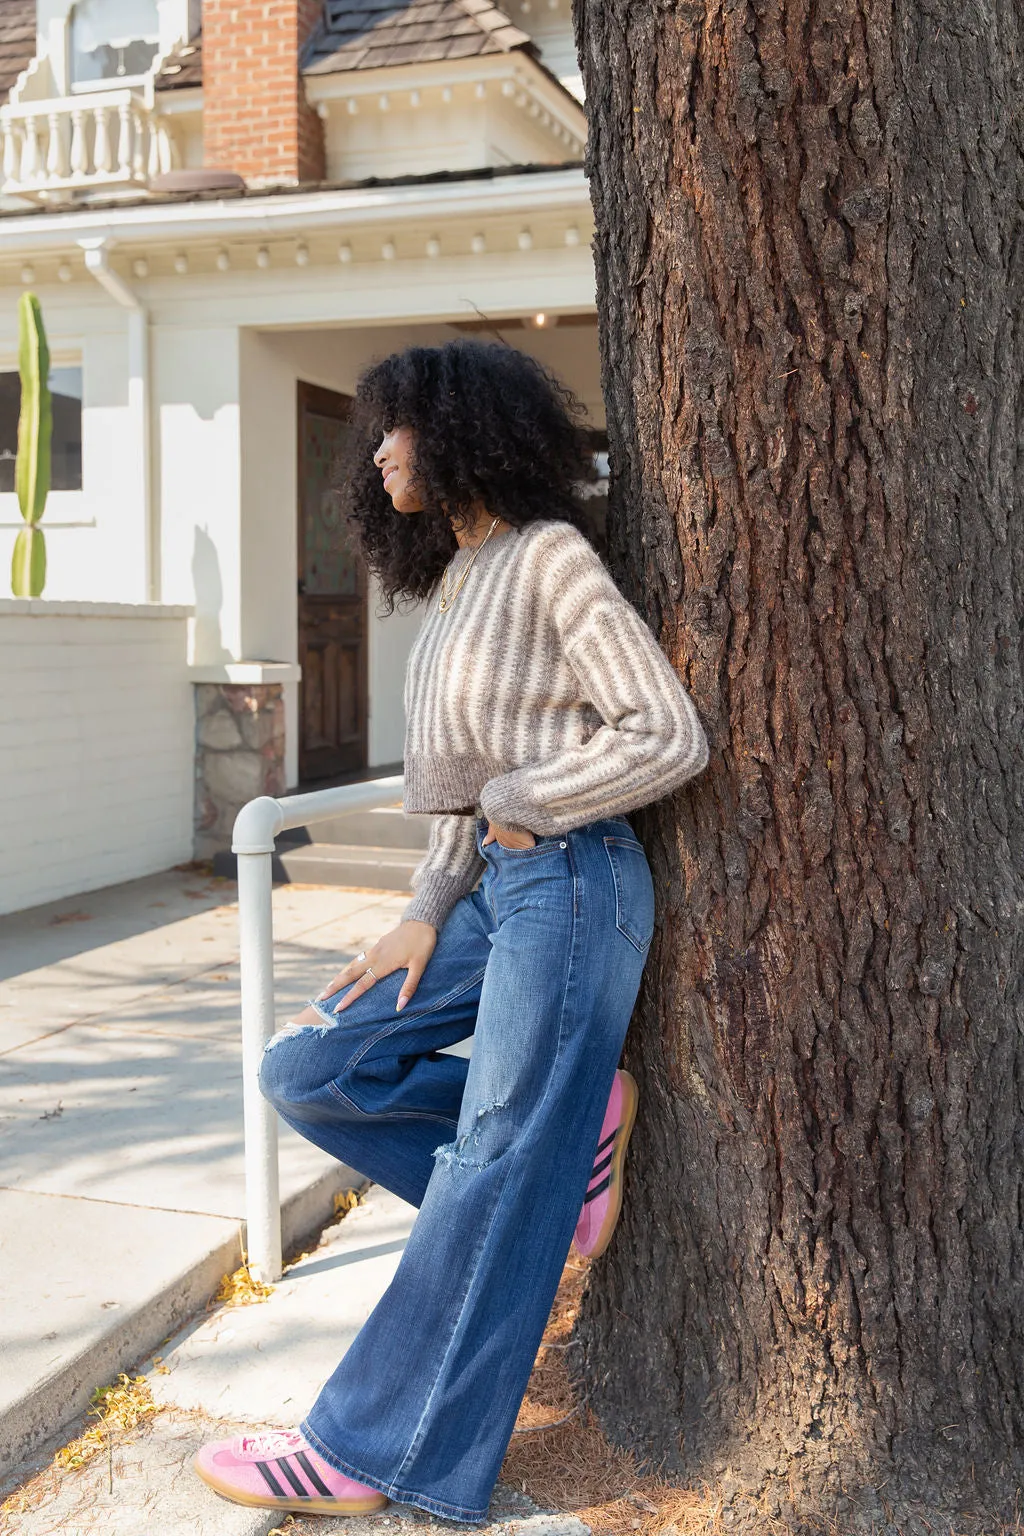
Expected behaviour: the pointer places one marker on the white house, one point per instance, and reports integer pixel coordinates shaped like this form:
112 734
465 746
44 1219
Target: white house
226 215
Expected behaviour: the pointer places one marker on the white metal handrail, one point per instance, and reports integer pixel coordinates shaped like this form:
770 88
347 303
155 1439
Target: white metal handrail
256 826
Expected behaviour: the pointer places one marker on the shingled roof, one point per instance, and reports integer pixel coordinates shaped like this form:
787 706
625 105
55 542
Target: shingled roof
17 40
182 67
372 34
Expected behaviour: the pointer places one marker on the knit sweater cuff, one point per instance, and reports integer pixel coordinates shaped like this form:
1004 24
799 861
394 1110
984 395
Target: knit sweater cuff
500 802
435 897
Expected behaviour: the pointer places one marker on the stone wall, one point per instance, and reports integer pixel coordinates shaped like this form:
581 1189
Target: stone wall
239 755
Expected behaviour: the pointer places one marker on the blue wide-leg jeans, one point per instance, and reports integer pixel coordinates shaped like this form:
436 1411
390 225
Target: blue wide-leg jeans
542 965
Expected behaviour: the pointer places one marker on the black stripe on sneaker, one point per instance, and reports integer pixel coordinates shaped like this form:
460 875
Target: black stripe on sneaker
601 1166
592 1194
313 1475
270 1480
608 1141
293 1477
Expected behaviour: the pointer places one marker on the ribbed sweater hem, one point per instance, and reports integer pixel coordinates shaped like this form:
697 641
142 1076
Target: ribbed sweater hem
436 784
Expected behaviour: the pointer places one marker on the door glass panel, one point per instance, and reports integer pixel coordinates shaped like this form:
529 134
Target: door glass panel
330 563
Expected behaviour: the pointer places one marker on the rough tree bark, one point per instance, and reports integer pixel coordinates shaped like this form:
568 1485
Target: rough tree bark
810 280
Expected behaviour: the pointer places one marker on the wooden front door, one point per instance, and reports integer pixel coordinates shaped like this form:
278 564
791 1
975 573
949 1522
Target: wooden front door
332 601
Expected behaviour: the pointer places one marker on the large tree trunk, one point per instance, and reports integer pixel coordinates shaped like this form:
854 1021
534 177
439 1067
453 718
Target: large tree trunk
810 282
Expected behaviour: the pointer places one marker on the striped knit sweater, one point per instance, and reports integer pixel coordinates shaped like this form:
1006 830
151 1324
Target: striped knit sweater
540 700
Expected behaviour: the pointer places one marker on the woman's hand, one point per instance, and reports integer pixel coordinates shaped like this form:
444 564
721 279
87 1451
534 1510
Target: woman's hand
408 946
510 839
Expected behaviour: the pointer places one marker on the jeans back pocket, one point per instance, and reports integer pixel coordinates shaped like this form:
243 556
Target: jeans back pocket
634 890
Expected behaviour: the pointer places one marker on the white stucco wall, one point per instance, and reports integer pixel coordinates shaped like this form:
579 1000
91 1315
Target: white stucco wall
95 538
195 381
226 351
96 761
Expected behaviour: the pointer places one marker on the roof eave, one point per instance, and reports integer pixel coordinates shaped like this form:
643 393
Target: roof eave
335 85
270 212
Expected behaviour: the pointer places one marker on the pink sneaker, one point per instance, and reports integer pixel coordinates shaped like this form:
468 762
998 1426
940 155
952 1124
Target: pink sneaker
603 1199
280 1470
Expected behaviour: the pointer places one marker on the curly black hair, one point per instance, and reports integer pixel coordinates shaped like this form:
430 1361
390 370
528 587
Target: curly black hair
489 424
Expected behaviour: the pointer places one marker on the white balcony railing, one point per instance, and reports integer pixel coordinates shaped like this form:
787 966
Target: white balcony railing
256 826
104 141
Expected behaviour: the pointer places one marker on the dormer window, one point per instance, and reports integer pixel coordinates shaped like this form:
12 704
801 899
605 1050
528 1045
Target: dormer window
113 40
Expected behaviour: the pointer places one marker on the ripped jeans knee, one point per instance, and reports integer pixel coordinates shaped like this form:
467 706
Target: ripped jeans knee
288 1068
484 1141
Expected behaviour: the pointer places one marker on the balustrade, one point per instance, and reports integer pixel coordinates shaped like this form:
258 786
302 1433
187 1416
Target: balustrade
108 140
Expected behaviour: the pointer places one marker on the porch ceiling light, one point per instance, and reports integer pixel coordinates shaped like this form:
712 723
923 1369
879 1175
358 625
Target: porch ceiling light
525 240
28 273
263 258
344 252
478 244
542 321
64 272
572 235
433 246
140 266
387 250
181 263
302 255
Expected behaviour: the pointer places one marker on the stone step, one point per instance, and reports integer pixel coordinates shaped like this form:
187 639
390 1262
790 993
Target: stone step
386 826
381 869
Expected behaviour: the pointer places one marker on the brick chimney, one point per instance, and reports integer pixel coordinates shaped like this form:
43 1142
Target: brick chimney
256 119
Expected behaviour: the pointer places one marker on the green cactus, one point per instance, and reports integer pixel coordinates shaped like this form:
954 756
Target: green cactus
32 467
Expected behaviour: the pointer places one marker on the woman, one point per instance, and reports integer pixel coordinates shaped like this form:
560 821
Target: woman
539 710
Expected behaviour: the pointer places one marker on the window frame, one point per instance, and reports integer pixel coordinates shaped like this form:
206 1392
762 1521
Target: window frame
109 83
64 509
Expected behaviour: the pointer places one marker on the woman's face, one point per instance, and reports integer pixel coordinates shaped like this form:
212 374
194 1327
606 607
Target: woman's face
394 458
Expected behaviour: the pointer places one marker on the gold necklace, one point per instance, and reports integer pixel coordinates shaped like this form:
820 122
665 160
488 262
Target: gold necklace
444 601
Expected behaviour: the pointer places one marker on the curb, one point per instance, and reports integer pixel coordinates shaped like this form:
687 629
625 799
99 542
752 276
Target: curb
65 1394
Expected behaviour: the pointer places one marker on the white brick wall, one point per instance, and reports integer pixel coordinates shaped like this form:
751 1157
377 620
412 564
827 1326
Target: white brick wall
96 746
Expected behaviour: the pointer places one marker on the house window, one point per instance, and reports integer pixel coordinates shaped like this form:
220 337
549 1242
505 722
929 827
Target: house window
113 40
66 442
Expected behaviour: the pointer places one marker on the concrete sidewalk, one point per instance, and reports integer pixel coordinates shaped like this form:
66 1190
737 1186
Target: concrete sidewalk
121 1171
243 1368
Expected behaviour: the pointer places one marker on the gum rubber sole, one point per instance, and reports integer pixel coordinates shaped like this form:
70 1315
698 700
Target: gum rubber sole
631 1098
313 1506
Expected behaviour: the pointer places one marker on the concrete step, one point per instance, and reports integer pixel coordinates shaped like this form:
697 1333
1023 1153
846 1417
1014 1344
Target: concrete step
386 826
378 849
242 1369
122 1171
379 869
163 1266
